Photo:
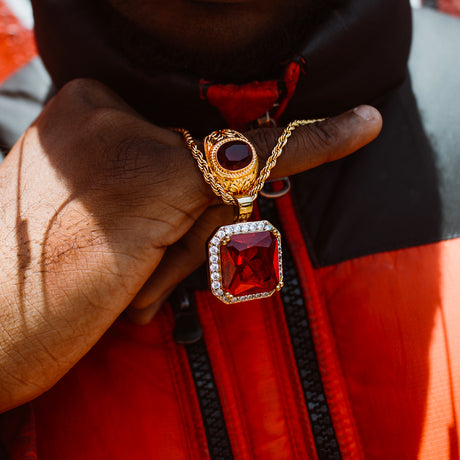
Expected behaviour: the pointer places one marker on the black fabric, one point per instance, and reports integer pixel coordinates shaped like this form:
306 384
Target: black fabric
384 197
357 54
3 453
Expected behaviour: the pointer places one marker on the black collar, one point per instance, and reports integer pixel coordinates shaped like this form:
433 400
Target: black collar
356 55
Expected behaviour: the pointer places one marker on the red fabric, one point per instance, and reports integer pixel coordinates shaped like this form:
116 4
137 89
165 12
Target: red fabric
450 6
17 44
243 104
257 379
240 105
395 319
395 353
291 77
389 353
333 381
132 396
17 433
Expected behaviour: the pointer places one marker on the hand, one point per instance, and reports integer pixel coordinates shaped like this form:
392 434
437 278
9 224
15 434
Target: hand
91 196
94 200
309 146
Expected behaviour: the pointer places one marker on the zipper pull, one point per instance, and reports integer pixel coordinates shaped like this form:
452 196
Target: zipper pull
187 327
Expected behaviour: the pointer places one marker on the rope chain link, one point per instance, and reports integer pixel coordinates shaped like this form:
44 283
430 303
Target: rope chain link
208 176
204 167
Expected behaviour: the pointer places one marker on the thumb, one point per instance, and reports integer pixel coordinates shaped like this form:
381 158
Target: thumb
320 142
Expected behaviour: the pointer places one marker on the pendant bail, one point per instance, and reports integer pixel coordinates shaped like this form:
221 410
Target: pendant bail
244 209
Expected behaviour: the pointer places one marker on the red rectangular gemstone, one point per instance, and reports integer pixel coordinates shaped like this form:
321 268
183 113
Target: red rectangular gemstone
250 263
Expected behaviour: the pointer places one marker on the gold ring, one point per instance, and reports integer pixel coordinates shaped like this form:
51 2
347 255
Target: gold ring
233 161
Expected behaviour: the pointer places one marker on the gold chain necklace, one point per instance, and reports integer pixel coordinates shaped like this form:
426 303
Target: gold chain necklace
244 258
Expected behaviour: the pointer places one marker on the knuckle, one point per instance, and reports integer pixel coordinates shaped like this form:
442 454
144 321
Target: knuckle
86 91
75 107
80 88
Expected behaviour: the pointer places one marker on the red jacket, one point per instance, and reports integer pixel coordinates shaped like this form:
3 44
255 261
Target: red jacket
358 357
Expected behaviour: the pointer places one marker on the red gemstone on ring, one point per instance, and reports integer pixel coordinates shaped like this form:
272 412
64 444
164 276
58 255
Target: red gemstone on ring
250 264
234 155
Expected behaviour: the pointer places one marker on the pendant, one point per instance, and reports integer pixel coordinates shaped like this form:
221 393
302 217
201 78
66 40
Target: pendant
245 261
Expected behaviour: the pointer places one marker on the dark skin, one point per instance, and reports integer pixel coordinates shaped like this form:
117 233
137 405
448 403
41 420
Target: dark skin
232 41
101 210
209 26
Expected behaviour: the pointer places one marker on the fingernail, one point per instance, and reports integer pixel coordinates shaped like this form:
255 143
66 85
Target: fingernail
365 112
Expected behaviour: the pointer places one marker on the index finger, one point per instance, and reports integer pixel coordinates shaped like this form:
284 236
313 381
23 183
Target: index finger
321 142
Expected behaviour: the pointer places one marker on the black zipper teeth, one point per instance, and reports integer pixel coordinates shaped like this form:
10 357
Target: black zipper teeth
187 331
296 315
211 409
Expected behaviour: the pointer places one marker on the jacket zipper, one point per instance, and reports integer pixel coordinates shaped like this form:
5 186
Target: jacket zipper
187 331
296 316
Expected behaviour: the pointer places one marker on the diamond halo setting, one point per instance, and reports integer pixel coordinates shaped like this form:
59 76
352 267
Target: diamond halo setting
245 261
